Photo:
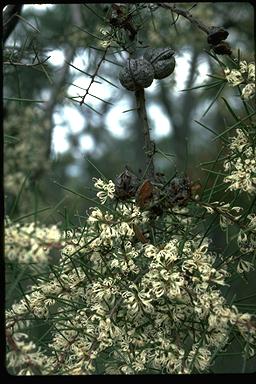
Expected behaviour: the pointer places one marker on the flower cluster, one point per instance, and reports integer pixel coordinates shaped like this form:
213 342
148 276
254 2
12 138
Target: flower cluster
245 75
106 37
25 357
242 164
28 149
125 306
30 243
246 241
246 236
107 189
228 215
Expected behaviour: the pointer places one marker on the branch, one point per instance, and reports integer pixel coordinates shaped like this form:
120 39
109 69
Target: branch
10 19
25 64
187 15
94 75
149 145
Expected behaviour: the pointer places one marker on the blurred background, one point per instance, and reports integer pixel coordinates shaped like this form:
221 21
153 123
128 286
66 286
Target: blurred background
50 138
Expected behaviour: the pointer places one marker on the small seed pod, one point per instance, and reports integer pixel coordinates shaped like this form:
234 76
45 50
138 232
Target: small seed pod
137 74
126 185
179 191
144 193
222 48
162 61
216 35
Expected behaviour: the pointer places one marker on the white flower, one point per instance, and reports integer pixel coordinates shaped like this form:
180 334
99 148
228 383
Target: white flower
252 221
28 243
150 250
107 232
244 266
243 66
209 209
104 31
124 229
96 215
245 75
251 72
242 169
105 43
234 77
248 91
107 189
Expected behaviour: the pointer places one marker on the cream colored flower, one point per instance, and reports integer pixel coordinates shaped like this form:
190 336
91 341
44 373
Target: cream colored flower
242 169
246 75
243 66
234 77
248 91
32 242
244 266
107 189
251 72
124 229
150 250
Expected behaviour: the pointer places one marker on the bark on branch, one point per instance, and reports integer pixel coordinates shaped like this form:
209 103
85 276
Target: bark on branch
187 15
149 146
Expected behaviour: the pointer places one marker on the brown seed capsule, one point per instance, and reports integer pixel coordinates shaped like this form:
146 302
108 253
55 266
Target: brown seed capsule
222 49
144 193
179 191
162 61
216 35
137 74
126 185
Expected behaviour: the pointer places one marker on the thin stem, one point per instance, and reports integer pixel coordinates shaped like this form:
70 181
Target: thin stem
186 14
149 146
26 64
94 75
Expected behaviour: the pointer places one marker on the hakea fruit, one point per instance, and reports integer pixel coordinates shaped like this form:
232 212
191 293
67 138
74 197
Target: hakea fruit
136 74
162 60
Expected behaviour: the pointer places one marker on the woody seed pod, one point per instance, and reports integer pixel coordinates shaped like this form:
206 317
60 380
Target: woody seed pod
179 191
162 61
126 185
216 35
137 74
223 48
